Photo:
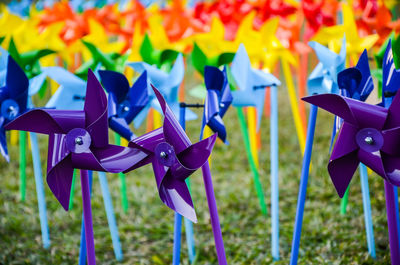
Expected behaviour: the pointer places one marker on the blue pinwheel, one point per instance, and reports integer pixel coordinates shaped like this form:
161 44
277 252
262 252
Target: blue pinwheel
217 102
13 98
167 83
356 82
124 102
323 79
251 82
71 93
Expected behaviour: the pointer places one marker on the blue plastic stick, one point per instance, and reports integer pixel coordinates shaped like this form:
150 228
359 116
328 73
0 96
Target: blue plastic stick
112 224
274 173
396 204
37 168
82 248
367 210
188 224
176 256
303 185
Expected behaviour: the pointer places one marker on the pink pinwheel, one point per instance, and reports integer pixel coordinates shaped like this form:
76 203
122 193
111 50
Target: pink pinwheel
77 139
174 158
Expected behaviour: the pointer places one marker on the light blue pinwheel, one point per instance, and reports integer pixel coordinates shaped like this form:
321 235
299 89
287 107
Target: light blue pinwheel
71 96
323 79
251 82
167 83
71 93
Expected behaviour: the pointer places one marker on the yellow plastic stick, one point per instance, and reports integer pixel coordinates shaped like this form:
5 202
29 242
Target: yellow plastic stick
207 133
157 119
293 104
252 127
14 137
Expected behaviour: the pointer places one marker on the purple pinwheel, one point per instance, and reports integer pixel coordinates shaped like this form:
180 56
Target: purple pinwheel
13 98
370 134
124 102
356 82
217 102
77 139
174 159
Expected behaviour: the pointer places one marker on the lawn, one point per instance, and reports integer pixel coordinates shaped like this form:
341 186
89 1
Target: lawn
146 230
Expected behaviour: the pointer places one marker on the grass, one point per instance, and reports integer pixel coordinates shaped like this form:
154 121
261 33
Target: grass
146 230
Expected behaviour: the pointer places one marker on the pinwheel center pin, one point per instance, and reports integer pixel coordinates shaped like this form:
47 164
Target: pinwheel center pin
78 140
9 109
123 109
369 139
165 154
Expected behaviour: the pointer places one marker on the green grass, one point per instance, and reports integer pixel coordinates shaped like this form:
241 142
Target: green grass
146 231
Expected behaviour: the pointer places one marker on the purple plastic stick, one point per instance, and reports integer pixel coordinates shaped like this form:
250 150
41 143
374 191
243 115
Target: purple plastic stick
212 206
87 213
392 223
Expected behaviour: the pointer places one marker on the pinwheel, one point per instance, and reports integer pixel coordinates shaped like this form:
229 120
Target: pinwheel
14 102
154 56
377 20
316 16
368 135
271 8
355 45
174 159
217 102
110 61
29 61
168 84
357 83
79 139
71 96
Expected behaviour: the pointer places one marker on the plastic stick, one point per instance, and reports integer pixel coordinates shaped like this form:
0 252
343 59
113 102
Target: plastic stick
82 248
253 167
37 169
344 201
274 174
22 164
302 79
212 206
392 223
367 210
178 223
72 193
87 214
252 129
112 223
176 255
293 104
303 185
122 180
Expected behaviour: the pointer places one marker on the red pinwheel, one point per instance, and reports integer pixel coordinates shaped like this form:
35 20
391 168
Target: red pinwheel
267 9
77 139
317 16
174 158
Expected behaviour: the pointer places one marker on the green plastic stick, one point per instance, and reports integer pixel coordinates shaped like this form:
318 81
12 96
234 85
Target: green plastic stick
344 201
253 167
122 180
22 164
71 196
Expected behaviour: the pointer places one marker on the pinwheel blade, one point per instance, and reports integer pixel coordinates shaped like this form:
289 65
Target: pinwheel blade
17 83
96 111
115 83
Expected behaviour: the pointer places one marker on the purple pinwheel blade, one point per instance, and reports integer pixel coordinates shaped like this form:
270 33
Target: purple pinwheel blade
48 121
193 157
392 169
373 160
59 169
17 84
391 141
350 110
115 83
173 132
342 170
96 111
